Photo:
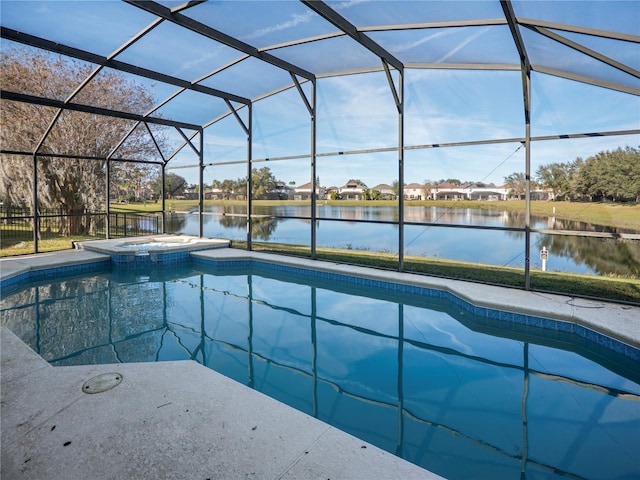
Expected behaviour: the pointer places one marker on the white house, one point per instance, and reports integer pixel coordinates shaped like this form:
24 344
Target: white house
414 191
449 191
352 191
213 193
483 191
386 191
303 192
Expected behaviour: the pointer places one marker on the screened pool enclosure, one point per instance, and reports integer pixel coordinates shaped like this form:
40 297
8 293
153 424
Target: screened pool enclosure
338 125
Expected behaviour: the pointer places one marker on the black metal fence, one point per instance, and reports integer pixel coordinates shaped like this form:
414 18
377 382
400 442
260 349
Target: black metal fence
17 224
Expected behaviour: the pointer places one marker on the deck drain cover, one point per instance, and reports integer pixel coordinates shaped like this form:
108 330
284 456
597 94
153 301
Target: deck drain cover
102 383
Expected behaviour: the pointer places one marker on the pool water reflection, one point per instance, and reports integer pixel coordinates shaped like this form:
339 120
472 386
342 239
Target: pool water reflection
461 396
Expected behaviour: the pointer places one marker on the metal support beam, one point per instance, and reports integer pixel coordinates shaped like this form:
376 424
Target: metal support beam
302 94
77 107
593 32
153 139
202 29
73 52
314 174
201 186
400 104
586 51
343 24
34 200
249 179
163 195
525 66
108 199
587 80
189 142
55 118
311 108
527 194
510 15
92 75
238 119
392 85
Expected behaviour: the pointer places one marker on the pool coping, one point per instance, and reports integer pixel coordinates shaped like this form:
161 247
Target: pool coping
622 321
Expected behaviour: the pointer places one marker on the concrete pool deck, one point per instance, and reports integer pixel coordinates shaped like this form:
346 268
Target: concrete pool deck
169 420
182 420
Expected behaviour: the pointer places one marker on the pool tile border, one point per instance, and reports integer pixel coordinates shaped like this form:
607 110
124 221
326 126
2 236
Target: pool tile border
43 273
131 260
201 257
522 319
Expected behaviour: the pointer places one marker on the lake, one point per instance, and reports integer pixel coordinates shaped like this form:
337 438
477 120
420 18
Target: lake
351 227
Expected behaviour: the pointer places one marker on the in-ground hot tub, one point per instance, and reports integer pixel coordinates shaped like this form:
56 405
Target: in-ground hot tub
149 250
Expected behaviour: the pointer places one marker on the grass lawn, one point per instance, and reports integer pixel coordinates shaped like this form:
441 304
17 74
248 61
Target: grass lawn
25 246
614 289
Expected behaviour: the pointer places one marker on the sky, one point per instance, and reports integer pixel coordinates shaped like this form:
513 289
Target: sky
357 112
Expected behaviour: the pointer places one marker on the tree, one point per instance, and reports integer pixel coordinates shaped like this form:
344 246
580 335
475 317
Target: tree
73 185
174 185
612 175
132 180
395 187
517 184
558 177
429 185
262 182
227 187
358 181
452 181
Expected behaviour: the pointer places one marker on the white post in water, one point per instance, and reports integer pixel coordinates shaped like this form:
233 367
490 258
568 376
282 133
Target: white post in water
544 254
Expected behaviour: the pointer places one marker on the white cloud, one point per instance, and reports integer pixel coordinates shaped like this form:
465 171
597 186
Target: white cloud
294 20
464 43
402 47
348 4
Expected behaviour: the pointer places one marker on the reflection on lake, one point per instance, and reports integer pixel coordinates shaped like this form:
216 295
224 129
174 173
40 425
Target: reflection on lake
587 255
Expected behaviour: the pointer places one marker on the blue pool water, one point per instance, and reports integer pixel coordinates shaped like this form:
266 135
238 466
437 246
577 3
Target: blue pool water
465 396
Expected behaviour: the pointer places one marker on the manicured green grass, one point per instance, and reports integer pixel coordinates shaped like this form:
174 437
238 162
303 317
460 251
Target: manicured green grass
609 288
24 247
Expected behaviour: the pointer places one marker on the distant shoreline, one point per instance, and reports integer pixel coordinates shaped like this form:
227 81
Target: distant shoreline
621 215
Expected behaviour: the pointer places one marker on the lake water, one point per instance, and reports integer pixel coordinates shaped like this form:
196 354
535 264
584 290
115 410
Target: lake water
349 227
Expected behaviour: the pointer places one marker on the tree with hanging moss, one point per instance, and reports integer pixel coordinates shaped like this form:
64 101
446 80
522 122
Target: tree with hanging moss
174 185
75 186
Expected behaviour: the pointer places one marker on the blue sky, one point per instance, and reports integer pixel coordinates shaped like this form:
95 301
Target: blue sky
357 112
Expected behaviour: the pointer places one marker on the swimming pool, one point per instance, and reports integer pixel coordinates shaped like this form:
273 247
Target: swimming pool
463 395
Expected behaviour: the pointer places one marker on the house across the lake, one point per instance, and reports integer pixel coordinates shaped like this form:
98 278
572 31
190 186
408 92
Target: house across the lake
352 191
303 192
